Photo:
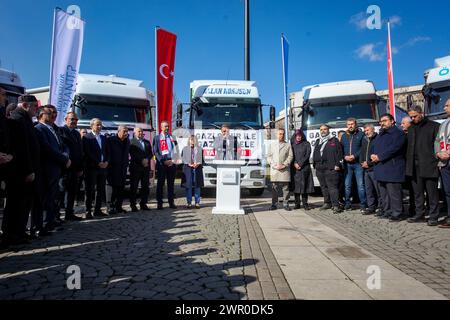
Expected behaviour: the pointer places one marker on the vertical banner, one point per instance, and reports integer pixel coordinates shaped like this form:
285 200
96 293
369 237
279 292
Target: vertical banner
165 65
390 75
285 55
68 33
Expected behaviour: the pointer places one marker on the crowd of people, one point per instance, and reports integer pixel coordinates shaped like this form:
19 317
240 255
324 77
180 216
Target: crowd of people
386 166
43 167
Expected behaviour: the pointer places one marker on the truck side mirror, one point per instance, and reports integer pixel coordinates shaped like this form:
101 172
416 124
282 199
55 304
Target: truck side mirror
273 117
179 121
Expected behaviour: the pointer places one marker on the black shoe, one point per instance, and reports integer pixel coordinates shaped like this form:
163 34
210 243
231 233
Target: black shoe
73 218
197 206
287 208
337 210
160 207
173 206
306 207
348 207
144 207
273 208
121 210
397 219
100 214
416 220
89 216
189 206
325 207
433 223
368 212
134 209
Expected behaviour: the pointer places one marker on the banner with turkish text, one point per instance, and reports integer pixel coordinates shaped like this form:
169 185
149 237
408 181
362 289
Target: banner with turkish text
68 33
165 65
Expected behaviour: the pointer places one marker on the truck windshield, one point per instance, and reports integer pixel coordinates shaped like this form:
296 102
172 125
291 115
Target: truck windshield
337 113
235 115
441 97
111 111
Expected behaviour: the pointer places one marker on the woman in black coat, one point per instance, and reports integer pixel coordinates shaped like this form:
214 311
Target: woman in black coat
192 157
118 166
302 177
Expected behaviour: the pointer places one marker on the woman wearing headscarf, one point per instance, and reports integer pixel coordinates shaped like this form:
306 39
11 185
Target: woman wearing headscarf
302 177
192 181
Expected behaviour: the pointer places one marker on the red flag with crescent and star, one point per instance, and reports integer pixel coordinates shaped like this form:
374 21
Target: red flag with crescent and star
166 43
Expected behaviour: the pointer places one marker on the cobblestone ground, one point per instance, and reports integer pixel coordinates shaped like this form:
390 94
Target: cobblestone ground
418 250
166 254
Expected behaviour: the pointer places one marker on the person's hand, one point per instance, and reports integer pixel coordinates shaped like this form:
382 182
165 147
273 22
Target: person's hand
365 165
375 158
347 158
297 166
79 173
5 158
68 164
30 178
444 156
168 163
336 168
145 163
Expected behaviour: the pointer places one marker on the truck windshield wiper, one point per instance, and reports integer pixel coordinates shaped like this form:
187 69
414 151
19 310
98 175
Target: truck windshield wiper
212 124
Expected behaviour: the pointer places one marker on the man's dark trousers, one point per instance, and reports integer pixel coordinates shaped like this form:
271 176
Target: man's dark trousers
95 184
445 173
141 175
329 183
166 173
430 185
391 199
372 190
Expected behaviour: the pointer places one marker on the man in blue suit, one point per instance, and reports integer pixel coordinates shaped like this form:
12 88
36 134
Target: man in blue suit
389 156
97 155
54 158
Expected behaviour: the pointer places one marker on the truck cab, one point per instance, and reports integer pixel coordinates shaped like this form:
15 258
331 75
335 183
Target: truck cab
332 104
437 88
12 84
237 104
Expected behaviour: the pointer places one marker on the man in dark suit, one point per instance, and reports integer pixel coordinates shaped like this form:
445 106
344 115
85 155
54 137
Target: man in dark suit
28 192
119 146
54 159
140 156
388 154
13 162
97 155
166 152
72 139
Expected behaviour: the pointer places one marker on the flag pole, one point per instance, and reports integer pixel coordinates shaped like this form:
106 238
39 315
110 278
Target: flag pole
52 55
286 117
391 74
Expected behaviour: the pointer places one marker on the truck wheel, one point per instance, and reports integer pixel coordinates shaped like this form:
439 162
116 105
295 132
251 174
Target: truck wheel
256 192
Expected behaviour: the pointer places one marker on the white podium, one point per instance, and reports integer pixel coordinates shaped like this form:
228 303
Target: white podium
228 197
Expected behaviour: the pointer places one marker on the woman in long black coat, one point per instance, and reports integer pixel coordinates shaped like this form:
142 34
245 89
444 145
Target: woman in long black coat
302 176
192 181
118 167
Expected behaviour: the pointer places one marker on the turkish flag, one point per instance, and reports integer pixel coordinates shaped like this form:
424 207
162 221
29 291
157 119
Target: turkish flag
390 71
165 67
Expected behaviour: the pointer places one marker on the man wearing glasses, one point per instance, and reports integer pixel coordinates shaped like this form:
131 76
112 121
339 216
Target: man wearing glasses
225 145
72 139
389 158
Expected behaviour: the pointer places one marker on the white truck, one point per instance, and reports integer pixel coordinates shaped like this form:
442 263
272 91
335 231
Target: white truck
437 88
332 104
12 84
114 100
237 104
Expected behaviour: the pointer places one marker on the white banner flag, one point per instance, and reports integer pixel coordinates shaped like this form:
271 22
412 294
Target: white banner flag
68 32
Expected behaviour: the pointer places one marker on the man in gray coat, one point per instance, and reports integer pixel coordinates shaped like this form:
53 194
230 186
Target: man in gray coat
280 158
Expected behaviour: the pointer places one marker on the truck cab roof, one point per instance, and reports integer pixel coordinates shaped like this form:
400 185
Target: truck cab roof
355 89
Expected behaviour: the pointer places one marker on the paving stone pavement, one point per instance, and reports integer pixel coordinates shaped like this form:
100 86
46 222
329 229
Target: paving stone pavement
420 251
181 254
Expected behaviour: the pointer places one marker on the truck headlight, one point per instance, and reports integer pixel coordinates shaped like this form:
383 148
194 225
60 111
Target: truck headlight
257 174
